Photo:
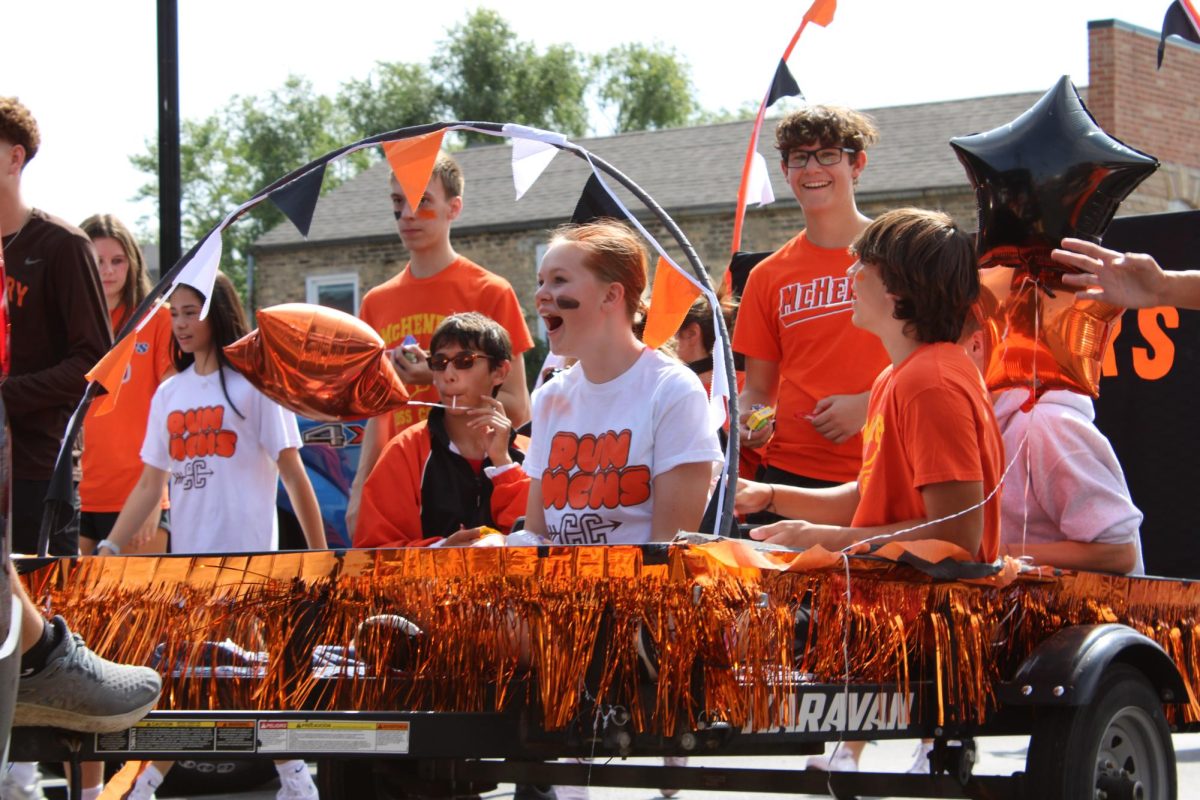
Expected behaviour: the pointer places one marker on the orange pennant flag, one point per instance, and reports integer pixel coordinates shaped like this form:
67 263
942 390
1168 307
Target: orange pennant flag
672 296
110 372
821 12
412 163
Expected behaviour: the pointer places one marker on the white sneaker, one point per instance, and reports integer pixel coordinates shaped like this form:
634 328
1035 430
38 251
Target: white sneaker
146 784
920 765
22 782
295 781
842 760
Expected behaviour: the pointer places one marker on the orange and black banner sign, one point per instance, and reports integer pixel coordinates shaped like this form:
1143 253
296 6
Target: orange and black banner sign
1148 397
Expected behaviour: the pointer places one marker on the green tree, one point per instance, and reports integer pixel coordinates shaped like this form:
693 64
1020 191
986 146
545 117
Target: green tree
486 73
646 87
395 95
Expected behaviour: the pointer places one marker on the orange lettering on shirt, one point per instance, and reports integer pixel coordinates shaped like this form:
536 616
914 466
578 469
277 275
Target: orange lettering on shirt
579 489
635 485
586 455
226 444
872 435
554 488
614 451
197 432
563 450
606 490
16 291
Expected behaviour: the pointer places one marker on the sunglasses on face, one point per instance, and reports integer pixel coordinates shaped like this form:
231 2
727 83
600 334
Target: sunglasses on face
826 156
464 360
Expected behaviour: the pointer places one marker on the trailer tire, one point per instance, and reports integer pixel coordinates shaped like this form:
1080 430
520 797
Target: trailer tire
1115 743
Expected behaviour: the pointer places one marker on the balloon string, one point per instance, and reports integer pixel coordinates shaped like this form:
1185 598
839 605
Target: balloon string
956 514
845 676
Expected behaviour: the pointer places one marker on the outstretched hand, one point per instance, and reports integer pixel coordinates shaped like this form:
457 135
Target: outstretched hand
1132 280
799 534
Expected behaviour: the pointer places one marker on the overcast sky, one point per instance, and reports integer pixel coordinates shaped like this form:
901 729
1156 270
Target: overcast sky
87 70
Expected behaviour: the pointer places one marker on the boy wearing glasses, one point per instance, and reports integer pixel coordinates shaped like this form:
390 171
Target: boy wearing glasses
435 283
437 481
802 354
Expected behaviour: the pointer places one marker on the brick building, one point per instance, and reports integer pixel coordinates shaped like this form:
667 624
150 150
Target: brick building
693 174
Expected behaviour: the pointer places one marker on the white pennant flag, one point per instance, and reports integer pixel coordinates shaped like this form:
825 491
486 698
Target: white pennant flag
201 271
529 160
760 182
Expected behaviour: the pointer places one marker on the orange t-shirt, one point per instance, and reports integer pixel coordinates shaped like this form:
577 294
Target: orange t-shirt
406 305
930 420
795 311
112 443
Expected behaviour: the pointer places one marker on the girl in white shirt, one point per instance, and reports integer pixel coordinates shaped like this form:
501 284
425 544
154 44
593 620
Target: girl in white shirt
621 448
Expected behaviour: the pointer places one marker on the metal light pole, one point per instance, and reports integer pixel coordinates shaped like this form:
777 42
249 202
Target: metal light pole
169 194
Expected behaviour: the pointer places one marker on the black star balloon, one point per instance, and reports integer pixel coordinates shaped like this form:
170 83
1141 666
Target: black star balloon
1050 173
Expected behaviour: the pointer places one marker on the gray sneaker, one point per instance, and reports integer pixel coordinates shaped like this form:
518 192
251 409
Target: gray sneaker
80 691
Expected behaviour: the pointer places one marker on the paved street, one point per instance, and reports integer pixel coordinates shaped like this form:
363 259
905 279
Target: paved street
997 756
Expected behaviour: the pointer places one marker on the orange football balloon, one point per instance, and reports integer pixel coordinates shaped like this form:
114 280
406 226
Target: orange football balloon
319 362
1039 335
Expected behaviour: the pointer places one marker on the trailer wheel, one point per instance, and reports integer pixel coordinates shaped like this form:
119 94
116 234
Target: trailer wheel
1118 746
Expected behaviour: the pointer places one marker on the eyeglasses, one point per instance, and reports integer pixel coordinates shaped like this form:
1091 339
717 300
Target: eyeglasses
463 360
826 156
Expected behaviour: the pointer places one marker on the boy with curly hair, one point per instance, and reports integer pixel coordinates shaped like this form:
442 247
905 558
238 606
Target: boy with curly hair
802 354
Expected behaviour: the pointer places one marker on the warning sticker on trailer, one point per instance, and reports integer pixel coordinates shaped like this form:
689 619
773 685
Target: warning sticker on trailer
192 736
311 736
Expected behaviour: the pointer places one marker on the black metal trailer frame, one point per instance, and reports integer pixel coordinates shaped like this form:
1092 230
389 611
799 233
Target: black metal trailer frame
1069 696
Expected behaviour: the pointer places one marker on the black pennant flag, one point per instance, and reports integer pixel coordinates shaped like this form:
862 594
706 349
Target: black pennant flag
783 85
298 199
595 203
1177 22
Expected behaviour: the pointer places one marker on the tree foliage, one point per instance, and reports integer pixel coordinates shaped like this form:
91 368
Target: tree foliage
487 73
395 95
649 87
229 156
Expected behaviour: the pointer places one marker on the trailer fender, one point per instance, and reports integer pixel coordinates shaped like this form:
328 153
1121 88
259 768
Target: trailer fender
1065 669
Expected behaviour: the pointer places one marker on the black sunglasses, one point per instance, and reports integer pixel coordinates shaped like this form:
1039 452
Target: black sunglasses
464 360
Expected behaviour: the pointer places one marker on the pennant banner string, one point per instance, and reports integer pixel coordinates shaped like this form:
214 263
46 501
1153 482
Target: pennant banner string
198 267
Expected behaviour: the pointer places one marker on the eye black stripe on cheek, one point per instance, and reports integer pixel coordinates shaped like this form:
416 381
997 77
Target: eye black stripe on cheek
566 303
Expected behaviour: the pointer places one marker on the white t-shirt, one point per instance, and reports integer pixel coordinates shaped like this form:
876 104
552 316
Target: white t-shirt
222 466
597 447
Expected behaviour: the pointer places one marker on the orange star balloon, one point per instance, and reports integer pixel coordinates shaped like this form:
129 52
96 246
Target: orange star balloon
1039 335
319 362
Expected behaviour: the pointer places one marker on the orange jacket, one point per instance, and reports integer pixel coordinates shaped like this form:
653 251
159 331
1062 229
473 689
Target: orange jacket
421 491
